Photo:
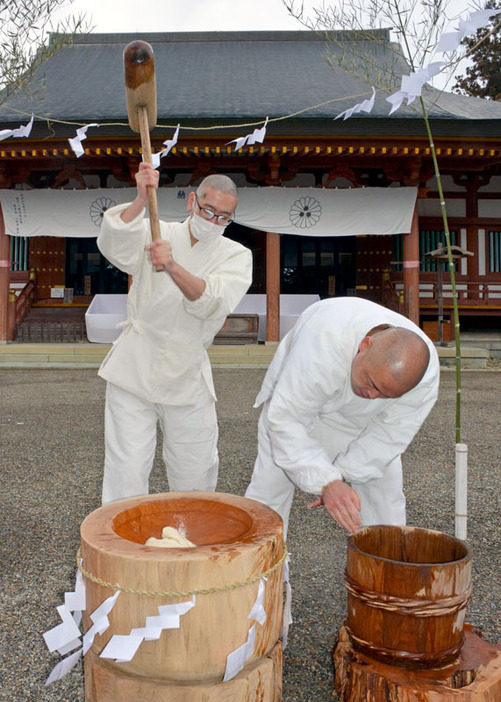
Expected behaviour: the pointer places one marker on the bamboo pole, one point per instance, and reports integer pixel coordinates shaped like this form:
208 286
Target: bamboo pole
451 270
461 483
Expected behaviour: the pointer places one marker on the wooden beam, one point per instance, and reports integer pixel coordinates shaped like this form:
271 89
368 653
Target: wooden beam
471 212
411 271
272 287
4 280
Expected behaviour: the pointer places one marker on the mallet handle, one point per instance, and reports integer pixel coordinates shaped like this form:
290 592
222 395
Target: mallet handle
144 131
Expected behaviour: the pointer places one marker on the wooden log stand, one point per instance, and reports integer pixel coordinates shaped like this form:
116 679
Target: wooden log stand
474 677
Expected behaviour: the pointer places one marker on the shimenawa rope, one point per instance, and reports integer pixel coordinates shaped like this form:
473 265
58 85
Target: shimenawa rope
185 593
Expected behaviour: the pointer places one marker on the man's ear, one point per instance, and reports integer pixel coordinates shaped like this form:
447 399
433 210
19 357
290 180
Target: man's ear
366 343
190 201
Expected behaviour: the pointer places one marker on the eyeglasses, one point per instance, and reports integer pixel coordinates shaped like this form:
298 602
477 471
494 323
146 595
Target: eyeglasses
223 220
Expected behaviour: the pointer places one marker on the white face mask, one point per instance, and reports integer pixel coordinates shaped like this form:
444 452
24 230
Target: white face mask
203 230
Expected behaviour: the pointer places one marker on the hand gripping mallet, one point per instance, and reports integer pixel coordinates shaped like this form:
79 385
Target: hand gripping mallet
141 98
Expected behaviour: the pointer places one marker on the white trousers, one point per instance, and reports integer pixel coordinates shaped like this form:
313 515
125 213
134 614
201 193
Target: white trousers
382 499
190 435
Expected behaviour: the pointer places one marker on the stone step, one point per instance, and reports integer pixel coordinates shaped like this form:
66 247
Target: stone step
470 357
485 340
85 355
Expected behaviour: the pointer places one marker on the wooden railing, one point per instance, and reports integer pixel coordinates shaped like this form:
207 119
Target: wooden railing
472 296
20 304
484 296
468 292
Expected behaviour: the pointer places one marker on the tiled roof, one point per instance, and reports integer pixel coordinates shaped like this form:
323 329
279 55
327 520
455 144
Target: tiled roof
227 77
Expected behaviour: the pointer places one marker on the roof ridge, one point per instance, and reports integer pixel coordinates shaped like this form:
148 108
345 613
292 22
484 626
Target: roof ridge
253 35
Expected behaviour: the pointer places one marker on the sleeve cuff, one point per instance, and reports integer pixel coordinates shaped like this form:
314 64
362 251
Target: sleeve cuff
198 305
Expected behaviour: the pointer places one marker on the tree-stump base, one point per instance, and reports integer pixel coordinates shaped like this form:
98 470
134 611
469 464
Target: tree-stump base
475 677
260 682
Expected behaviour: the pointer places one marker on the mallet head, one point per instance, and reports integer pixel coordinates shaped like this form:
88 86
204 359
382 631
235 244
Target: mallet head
140 85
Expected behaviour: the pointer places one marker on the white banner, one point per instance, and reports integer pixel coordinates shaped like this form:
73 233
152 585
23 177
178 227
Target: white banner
303 211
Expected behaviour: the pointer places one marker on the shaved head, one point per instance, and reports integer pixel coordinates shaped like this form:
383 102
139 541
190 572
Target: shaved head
390 362
403 352
218 182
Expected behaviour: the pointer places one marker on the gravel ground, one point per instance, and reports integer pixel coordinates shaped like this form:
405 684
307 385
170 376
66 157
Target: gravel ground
52 454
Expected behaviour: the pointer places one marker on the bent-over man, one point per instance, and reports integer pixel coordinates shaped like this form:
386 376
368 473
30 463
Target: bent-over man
346 392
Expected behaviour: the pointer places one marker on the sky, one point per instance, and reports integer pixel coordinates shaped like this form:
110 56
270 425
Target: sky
110 16
185 15
200 15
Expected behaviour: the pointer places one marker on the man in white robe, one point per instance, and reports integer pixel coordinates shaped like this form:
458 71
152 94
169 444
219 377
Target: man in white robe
159 369
348 389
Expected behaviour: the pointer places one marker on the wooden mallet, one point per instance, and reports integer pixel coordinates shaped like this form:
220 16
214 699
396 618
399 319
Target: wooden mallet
141 98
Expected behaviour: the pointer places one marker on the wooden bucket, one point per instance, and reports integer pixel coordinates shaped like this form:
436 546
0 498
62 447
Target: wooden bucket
407 594
237 539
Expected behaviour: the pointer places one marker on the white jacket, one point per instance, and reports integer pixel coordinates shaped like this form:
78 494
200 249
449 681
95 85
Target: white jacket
319 429
161 353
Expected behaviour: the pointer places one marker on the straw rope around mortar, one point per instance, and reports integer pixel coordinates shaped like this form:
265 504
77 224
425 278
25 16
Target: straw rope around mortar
183 593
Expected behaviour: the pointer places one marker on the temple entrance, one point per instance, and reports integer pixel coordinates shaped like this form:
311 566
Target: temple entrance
88 272
318 265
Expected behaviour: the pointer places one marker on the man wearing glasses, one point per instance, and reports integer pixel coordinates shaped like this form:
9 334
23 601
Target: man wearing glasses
158 369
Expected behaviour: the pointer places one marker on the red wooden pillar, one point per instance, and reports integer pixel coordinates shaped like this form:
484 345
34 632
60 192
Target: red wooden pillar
411 271
4 280
472 262
272 286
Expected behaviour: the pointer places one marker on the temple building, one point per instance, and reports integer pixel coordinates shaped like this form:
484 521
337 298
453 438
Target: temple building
329 207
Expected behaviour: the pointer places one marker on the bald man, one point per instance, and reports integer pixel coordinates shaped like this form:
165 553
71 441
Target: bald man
348 389
158 370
